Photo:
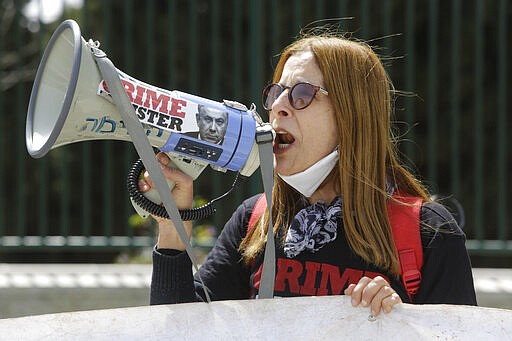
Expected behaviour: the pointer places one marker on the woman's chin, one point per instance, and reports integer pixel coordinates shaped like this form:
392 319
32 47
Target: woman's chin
283 169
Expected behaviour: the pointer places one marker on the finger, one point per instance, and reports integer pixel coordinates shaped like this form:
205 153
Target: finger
358 291
173 174
143 186
177 176
163 158
378 299
147 179
371 289
390 301
350 289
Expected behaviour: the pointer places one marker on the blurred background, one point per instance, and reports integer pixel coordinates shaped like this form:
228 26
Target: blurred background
448 59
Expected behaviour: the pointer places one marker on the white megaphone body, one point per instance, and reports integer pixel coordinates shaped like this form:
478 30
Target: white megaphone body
70 102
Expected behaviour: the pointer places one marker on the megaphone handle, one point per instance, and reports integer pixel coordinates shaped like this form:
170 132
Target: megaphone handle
144 150
152 195
150 203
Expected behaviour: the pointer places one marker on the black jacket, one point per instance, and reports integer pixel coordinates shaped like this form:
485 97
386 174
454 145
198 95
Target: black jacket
446 271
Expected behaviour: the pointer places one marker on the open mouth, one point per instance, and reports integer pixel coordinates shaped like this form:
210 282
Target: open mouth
283 140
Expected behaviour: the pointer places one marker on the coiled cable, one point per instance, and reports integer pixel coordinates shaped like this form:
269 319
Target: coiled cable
158 210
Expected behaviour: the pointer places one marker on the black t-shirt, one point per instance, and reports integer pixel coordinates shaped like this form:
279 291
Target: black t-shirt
446 271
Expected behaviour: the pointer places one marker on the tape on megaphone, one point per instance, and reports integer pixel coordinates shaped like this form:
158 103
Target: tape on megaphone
70 103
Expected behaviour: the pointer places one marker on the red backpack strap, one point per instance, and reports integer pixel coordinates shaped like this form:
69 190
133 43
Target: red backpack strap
257 211
405 225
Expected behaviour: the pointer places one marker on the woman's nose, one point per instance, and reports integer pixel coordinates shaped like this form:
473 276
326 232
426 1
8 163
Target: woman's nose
281 105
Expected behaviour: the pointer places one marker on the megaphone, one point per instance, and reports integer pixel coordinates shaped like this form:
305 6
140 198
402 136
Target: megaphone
70 102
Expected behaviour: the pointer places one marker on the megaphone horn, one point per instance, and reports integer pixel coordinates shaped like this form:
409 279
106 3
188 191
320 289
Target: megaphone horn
70 102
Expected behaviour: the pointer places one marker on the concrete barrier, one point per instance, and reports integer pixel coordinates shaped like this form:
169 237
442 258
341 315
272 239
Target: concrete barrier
297 318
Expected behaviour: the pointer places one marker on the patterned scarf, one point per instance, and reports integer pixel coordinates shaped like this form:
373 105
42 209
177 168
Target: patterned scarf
313 227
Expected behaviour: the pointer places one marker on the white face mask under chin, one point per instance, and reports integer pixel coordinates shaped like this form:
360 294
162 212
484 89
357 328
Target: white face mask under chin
308 181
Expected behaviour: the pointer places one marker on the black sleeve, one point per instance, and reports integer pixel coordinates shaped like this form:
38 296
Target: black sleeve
171 280
446 274
223 273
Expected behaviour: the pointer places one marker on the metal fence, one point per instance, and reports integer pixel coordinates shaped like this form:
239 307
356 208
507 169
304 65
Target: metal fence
449 59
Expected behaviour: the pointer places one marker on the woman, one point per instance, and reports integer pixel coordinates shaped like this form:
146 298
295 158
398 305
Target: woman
335 161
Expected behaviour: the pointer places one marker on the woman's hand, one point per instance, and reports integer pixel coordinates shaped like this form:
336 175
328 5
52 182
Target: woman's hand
182 193
376 293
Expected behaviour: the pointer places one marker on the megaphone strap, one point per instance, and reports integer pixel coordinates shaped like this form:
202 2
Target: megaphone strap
144 150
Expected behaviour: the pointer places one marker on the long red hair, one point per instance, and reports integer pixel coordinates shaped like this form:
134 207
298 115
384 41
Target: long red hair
362 95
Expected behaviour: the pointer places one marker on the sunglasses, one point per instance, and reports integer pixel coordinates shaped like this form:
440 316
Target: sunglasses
300 95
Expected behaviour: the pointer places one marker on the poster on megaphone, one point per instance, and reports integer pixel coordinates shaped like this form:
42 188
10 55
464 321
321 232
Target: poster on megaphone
167 110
